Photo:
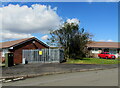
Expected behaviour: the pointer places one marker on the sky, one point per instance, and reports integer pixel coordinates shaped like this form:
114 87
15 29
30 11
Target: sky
24 19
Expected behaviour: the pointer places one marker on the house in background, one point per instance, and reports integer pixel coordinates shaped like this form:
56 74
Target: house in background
16 47
98 47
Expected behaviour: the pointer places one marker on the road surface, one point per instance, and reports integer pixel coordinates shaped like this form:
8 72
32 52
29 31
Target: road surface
107 77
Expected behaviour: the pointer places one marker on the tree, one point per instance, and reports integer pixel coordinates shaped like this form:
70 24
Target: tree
72 39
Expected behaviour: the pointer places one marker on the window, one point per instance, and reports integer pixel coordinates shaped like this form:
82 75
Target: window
99 48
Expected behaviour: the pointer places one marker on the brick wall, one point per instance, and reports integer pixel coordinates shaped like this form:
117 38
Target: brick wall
28 45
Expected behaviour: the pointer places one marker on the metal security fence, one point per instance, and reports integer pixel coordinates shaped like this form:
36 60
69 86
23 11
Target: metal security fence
43 55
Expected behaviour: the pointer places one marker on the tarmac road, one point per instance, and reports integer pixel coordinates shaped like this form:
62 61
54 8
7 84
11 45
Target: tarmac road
107 77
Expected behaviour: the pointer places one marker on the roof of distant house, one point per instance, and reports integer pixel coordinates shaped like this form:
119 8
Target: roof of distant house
104 44
18 42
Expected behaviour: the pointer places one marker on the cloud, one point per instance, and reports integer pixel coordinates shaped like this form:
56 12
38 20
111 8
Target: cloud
44 37
37 18
106 40
24 20
110 40
11 35
74 20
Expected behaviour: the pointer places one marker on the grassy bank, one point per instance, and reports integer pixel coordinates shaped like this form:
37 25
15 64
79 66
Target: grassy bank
93 61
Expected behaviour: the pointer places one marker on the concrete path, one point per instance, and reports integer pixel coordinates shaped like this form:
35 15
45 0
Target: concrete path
107 77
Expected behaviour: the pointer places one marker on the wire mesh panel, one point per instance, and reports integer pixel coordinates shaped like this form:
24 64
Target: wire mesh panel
43 55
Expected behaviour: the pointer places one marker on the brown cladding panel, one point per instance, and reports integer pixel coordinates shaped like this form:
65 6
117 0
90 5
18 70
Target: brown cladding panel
28 45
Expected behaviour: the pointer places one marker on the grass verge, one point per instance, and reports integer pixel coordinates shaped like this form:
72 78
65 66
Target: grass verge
93 61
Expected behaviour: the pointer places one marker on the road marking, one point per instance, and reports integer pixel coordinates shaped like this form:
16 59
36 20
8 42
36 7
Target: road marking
8 81
18 78
2 80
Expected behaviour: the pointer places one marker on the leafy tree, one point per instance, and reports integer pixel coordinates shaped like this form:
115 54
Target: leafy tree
72 39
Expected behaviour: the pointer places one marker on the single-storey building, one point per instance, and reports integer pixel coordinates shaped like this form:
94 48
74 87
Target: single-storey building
16 47
98 47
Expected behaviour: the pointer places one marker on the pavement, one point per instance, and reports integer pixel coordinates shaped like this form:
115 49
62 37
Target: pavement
108 77
20 72
39 68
